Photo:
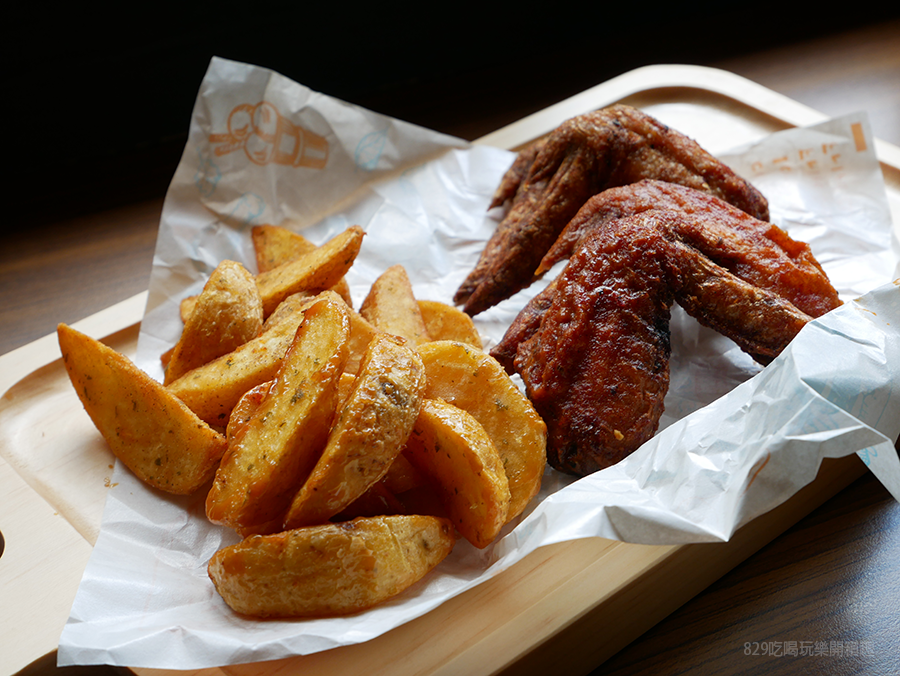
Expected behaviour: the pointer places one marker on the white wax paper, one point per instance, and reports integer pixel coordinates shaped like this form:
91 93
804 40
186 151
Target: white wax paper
736 440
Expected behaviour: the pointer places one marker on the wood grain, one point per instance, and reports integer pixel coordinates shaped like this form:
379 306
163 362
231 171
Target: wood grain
833 578
71 269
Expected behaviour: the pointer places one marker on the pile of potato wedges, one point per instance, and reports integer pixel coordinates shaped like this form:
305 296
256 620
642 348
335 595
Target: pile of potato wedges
349 448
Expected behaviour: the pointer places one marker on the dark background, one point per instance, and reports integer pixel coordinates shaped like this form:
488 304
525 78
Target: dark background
100 103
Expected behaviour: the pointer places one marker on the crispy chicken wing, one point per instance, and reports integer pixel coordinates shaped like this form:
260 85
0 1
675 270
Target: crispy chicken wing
597 367
551 180
593 347
757 251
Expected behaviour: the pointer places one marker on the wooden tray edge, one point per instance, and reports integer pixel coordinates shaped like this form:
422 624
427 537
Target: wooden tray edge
647 78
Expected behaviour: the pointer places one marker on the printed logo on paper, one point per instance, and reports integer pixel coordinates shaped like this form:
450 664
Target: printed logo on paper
369 150
266 137
248 208
208 174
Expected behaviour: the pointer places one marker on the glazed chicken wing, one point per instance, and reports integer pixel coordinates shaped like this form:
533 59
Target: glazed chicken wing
550 181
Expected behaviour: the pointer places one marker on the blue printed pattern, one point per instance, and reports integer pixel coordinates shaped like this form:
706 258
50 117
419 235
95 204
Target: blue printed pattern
369 149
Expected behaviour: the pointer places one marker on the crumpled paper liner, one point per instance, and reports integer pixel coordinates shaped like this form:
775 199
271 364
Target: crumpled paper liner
736 439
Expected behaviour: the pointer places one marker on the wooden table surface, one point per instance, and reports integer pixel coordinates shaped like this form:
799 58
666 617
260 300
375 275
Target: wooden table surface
820 599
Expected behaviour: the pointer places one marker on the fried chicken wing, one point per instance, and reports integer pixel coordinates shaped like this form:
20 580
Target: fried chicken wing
757 251
550 181
597 367
593 347
525 324
759 320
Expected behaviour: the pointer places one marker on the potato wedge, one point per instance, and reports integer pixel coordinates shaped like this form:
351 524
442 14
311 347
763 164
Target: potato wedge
315 271
212 390
290 306
273 452
245 408
361 331
369 432
329 570
361 334
216 389
475 382
275 245
390 306
150 430
445 322
451 448
227 313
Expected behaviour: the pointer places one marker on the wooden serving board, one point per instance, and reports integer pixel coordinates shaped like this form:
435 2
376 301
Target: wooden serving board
565 607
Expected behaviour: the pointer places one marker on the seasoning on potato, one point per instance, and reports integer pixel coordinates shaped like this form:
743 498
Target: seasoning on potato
331 569
150 430
370 431
452 449
273 452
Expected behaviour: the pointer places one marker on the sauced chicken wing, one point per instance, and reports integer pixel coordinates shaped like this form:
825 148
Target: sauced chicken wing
551 180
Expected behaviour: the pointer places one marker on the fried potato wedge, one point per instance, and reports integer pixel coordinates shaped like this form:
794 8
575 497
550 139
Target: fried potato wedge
213 390
390 306
445 322
315 271
331 569
361 331
227 313
476 382
273 452
150 430
369 432
246 407
290 306
452 449
361 334
275 245
378 500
